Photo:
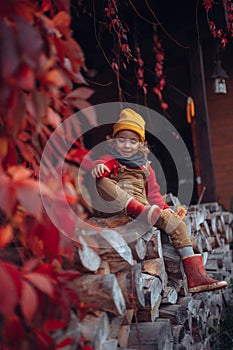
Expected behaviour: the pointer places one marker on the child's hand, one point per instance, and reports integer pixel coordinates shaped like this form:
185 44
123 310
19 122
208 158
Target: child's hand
99 170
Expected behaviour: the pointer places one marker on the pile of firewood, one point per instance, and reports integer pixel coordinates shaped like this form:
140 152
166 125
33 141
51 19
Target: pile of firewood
135 289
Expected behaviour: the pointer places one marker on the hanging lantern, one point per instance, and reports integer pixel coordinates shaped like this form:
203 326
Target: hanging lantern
219 77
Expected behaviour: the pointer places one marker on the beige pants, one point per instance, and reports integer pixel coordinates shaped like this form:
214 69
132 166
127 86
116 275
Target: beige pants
116 199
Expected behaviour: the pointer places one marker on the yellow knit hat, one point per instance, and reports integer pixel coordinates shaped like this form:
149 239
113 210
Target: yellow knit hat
130 120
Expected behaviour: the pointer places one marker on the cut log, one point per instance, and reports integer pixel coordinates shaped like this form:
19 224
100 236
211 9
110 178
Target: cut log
87 257
154 246
116 251
95 329
171 260
169 295
110 344
73 331
152 289
138 248
128 317
187 342
123 336
131 284
115 324
151 335
177 314
104 268
148 314
100 292
155 267
178 332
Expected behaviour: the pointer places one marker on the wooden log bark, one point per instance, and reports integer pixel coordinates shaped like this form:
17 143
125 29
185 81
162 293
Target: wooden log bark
169 296
156 267
128 317
73 331
171 260
115 250
86 257
154 246
114 325
178 332
151 335
148 313
104 268
101 292
123 336
138 248
152 289
131 284
95 329
177 314
110 344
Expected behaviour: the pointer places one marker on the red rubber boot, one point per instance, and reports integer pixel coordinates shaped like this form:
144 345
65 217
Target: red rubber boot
149 213
198 280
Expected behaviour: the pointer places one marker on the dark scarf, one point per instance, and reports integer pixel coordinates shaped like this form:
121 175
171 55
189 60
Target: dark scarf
136 161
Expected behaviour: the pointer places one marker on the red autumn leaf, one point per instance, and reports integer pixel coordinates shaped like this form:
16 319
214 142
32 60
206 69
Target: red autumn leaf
11 157
16 113
24 79
14 333
75 75
6 235
66 247
64 5
59 48
26 151
7 195
164 106
74 54
40 281
63 218
70 192
26 9
50 237
46 5
30 265
32 46
44 341
65 342
55 77
62 22
28 194
8 293
83 93
9 53
53 325
53 118
28 301
87 109
15 275
40 101
68 275
19 172
3 148
87 347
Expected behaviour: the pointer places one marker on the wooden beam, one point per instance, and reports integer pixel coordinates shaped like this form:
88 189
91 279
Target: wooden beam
200 129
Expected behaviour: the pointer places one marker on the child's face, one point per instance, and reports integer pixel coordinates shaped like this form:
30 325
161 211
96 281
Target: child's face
127 143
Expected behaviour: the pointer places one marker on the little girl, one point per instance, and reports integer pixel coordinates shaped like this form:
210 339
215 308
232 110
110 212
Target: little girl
125 180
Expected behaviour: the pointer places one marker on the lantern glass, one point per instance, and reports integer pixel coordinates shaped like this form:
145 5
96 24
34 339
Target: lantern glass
220 86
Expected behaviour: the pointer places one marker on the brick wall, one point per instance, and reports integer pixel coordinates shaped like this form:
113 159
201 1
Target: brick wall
220 108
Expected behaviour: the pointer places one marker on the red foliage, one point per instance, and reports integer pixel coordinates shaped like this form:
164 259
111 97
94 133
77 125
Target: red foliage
159 60
222 35
40 65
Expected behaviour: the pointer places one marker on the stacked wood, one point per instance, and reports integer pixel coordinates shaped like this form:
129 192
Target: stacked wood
134 287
